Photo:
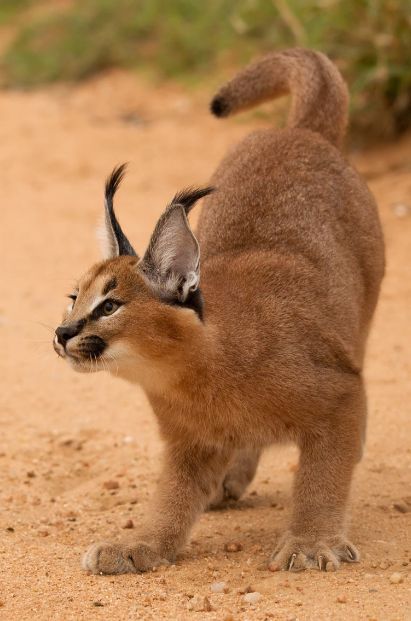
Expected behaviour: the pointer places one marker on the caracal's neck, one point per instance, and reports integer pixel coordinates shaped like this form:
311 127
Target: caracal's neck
180 365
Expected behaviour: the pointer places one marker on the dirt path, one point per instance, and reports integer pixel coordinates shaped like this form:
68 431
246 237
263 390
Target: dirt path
64 435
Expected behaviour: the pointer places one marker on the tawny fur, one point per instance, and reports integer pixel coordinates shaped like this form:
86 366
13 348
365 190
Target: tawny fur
291 263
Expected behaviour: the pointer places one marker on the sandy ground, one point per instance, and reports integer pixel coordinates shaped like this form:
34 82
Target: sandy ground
63 436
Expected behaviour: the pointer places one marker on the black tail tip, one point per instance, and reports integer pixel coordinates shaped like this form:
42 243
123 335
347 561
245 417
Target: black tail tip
219 107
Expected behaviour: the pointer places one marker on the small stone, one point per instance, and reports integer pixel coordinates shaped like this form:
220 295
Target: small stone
401 210
384 565
396 578
253 597
219 587
234 546
10 529
199 603
31 474
43 533
98 604
111 485
341 599
228 617
401 506
273 566
128 524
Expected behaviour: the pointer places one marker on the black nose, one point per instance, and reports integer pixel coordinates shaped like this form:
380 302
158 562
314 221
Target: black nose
65 333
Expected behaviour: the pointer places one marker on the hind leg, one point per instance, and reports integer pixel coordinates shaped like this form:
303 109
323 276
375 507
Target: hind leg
239 475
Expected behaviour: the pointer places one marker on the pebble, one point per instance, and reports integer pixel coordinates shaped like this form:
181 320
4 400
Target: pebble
219 587
252 598
396 578
43 533
401 506
341 599
401 210
128 524
234 546
199 603
111 484
273 566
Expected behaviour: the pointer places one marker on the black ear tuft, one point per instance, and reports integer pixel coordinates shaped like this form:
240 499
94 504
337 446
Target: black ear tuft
188 197
118 243
114 180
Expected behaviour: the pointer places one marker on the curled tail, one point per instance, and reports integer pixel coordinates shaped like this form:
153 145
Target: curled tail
319 93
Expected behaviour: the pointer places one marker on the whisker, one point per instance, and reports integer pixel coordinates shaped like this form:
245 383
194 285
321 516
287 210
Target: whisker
44 325
114 360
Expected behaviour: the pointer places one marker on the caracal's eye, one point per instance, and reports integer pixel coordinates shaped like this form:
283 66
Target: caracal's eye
110 307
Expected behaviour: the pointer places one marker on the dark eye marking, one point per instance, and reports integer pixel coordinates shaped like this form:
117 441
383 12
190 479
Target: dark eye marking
110 285
72 296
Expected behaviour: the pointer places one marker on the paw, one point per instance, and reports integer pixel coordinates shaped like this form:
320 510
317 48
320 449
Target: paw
299 553
230 490
116 558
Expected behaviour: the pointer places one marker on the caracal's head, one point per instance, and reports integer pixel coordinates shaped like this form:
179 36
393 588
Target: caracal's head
129 313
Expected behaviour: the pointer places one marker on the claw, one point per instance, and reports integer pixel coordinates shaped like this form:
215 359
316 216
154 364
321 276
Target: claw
352 554
321 563
292 561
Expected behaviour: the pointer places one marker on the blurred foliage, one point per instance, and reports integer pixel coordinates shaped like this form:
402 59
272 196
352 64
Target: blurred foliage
10 8
369 39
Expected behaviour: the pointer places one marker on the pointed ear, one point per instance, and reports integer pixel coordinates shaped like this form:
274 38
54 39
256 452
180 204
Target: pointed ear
114 242
172 260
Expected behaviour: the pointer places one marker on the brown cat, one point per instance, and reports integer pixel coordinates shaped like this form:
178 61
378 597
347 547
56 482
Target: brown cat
271 349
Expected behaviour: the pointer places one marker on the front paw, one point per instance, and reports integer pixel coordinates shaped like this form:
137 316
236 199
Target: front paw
298 553
116 558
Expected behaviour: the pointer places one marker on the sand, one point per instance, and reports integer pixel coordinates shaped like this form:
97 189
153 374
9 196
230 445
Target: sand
64 436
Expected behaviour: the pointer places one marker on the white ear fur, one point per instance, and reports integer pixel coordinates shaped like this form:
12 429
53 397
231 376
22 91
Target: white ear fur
172 260
106 238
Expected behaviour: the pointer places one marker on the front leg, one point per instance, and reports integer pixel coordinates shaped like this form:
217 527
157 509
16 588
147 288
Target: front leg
190 477
317 533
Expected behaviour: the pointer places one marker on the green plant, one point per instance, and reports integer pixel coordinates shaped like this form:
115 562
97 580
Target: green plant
369 39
